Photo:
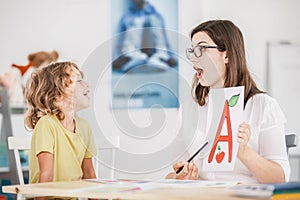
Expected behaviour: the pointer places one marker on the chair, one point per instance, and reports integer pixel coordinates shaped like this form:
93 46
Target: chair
291 140
106 152
16 144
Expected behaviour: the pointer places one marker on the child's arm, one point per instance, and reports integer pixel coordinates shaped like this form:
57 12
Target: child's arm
46 169
46 164
88 169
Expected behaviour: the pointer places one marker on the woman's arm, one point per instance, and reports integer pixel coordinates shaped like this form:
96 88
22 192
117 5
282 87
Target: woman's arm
265 170
88 168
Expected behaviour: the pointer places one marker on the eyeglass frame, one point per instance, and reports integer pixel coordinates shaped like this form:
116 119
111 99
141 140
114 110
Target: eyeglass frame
189 51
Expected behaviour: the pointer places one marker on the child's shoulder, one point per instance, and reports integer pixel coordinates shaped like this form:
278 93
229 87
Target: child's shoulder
46 121
47 118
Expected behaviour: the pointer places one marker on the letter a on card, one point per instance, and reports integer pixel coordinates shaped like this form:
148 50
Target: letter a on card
225 114
223 138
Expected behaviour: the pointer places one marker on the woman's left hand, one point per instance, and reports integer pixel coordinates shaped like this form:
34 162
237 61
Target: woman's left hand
244 133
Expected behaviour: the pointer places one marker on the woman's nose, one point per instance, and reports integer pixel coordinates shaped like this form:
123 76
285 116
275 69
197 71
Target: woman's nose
194 59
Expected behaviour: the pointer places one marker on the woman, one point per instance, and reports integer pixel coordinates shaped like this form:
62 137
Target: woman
218 57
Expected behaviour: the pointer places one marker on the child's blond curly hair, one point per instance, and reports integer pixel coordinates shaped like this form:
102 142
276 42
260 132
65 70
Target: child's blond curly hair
43 89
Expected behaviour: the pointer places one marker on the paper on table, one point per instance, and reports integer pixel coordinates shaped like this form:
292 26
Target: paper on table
122 185
277 191
194 183
117 181
255 190
160 183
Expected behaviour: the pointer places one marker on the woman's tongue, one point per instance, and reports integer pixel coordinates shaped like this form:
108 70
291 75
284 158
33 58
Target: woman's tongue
199 71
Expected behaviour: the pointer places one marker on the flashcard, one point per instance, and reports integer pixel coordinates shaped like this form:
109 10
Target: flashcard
225 114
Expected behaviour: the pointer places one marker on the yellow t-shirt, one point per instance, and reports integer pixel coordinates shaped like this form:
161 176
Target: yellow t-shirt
69 149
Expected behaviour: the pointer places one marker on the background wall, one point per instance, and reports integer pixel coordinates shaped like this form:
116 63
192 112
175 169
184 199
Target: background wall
73 28
76 27
261 22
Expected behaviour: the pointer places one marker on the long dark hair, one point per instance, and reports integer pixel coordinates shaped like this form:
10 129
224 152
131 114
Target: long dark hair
230 39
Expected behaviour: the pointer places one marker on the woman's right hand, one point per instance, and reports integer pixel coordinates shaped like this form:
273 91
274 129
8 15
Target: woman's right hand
189 171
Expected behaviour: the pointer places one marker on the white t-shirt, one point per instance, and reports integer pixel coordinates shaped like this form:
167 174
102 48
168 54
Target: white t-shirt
266 119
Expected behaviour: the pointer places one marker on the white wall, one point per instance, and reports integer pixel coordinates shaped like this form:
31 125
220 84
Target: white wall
76 27
73 28
261 22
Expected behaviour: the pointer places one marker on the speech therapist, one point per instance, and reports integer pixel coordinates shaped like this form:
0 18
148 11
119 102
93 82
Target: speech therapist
218 56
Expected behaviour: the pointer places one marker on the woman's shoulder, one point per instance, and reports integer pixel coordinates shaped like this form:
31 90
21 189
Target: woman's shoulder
263 99
262 96
267 109
264 102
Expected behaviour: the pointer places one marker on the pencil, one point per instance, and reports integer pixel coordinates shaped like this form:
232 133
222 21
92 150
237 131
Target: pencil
192 157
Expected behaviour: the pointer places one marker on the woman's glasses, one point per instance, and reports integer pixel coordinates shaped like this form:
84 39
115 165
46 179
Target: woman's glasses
197 50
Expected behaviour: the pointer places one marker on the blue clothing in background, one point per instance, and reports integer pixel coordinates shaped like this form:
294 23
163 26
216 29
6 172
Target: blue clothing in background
142 41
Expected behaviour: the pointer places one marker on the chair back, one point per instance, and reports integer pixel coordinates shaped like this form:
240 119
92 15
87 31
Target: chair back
291 140
104 162
19 143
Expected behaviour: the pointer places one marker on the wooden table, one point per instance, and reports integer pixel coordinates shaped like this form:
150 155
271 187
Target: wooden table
87 189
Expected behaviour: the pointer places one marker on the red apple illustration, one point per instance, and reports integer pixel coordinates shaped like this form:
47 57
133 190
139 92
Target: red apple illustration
220 156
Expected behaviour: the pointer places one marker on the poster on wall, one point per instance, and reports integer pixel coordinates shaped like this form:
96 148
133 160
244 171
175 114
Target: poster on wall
144 53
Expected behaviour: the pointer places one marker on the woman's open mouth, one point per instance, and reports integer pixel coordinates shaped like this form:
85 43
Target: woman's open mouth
199 71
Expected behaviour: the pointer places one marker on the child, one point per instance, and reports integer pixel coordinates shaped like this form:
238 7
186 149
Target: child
62 144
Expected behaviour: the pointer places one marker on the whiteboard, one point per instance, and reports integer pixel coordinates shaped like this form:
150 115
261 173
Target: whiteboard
283 81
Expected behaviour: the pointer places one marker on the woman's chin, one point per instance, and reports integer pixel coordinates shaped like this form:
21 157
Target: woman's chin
202 81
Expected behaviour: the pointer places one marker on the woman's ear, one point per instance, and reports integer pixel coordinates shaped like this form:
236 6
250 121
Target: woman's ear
225 57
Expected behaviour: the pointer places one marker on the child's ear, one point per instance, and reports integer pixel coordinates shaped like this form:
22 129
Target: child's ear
59 98
59 101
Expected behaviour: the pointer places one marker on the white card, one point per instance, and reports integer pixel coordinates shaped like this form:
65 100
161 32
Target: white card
225 114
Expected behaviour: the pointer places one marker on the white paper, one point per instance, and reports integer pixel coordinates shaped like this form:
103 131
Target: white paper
225 116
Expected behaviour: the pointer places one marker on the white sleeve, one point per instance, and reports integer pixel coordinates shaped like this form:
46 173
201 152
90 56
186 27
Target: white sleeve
272 114
274 148
272 144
